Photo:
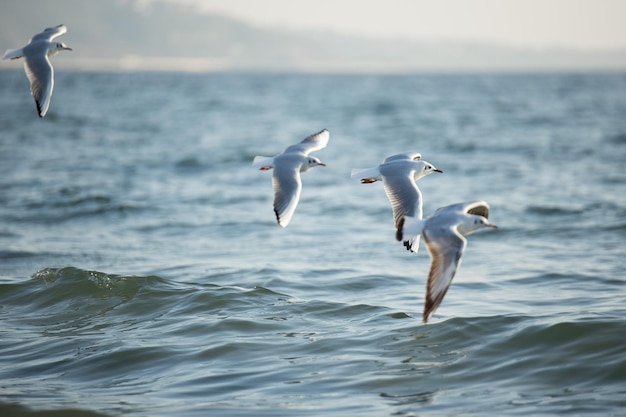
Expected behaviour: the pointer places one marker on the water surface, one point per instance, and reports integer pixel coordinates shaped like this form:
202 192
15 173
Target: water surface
142 272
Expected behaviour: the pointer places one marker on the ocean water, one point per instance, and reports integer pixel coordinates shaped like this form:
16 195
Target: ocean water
142 272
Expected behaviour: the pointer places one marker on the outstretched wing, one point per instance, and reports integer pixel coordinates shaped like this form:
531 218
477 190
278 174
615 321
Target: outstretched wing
480 208
41 76
312 143
49 34
411 156
403 194
287 187
446 247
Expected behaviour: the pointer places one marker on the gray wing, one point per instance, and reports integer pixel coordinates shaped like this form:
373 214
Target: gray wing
480 208
287 187
49 34
411 156
41 76
446 247
403 194
312 143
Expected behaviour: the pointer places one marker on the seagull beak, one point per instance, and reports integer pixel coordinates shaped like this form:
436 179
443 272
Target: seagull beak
493 226
438 170
322 164
67 48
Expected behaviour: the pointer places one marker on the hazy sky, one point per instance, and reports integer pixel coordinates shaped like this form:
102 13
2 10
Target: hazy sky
532 23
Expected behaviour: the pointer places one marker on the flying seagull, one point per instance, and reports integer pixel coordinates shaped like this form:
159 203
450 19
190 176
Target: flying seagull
37 65
287 168
444 234
399 173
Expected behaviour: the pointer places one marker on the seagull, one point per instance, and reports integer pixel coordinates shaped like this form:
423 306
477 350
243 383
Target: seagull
287 168
37 65
444 234
398 174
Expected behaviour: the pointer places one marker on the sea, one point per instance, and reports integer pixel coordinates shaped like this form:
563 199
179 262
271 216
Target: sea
143 274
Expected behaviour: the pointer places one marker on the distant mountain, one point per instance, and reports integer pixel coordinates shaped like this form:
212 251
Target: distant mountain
131 34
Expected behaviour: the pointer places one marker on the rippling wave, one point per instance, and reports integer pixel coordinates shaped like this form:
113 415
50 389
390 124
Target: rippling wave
245 337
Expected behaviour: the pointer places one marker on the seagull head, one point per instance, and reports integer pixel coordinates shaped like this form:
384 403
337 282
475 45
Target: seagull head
424 168
475 223
311 162
58 47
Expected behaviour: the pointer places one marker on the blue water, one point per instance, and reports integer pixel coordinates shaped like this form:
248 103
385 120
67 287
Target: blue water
142 272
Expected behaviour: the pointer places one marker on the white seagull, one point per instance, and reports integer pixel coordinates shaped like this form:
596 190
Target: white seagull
287 168
37 65
444 234
398 174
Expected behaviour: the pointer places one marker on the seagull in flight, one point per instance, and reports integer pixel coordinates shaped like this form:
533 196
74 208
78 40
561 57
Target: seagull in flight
37 64
287 168
444 234
399 174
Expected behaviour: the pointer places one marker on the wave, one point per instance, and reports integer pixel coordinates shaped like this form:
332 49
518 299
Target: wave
108 332
73 301
521 350
88 282
601 209
54 212
574 353
15 410
72 293
553 210
11 254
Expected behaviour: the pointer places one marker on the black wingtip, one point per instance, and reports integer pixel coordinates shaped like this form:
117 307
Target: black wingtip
39 109
278 219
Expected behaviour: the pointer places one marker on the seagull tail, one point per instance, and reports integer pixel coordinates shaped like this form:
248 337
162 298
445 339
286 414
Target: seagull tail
13 54
408 231
263 162
366 175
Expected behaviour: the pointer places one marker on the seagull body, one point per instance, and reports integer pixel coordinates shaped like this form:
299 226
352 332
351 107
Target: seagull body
398 174
37 65
287 167
444 235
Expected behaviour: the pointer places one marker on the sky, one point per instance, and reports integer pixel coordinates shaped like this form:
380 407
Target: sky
539 24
